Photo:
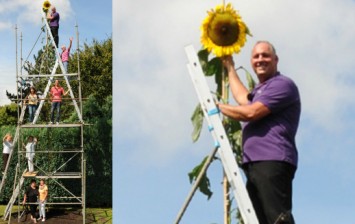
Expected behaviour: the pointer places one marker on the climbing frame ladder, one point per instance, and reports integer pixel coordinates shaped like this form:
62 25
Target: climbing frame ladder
14 196
218 132
60 64
3 180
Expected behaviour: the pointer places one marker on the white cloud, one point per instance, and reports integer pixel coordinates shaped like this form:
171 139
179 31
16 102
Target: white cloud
30 11
5 25
155 96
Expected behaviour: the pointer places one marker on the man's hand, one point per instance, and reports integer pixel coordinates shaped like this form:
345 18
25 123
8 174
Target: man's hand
228 62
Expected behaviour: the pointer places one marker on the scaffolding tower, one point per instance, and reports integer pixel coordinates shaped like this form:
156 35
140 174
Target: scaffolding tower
74 154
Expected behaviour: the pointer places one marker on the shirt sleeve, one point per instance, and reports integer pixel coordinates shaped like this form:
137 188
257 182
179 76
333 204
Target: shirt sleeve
278 94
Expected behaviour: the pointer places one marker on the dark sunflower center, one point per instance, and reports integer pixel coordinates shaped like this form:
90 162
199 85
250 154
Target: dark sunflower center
223 29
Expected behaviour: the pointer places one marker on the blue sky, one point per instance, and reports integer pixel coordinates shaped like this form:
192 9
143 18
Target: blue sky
154 99
94 19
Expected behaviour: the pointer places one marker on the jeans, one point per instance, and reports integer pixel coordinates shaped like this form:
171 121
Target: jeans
54 31
42 209
32 110
55 105
65 64
269 184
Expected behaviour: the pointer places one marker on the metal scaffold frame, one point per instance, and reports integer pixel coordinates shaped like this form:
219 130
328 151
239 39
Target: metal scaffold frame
78 154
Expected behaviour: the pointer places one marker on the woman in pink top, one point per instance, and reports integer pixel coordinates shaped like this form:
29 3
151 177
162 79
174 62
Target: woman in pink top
65 55
56 92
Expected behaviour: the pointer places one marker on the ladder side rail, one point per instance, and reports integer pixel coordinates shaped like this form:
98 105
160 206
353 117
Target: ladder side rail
232 170
13 198
73 98
46 90
11 152
61 65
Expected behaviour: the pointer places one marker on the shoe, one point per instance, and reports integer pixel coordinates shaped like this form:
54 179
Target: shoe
39 218
57 123
51 122
43 219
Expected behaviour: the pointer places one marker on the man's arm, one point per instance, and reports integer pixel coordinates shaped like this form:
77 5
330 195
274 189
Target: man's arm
71 41
50 16
250 112
24 199
239 91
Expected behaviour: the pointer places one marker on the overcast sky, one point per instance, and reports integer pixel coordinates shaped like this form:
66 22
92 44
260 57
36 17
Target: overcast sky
154 99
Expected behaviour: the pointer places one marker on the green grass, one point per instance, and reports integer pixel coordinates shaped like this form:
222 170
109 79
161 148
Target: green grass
97 215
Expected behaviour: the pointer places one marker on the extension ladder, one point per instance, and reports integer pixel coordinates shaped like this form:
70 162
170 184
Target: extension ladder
218 132
13 198
14 141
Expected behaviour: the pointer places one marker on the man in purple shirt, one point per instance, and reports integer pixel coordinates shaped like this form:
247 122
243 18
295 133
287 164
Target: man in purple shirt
271 114
54 24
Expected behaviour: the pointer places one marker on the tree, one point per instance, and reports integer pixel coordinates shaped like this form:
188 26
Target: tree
8 114
96 82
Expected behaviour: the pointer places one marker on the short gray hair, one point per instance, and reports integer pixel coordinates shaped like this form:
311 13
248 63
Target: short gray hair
268 43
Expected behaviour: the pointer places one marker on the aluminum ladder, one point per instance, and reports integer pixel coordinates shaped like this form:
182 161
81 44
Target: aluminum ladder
218 132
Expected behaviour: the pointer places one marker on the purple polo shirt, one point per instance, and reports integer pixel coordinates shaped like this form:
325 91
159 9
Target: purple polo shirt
273 137
55 20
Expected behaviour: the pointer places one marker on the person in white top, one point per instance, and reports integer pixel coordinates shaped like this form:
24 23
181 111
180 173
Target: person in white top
30 152
7 148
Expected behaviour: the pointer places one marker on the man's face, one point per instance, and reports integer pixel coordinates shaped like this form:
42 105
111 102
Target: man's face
53 9
264 61
33 184
56 82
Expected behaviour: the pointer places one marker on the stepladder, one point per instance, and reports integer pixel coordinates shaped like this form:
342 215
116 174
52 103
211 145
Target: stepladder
58 63
217 130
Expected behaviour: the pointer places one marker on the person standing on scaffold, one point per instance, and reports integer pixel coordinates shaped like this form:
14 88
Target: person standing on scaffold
54 24
66 54
30 152
56 93
32 101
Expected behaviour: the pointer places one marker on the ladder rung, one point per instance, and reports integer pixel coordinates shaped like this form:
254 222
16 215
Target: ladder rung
47 75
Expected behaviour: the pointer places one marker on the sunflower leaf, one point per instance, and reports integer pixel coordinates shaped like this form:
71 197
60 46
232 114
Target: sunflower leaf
197 122
204 185
213 66
203 58
251 82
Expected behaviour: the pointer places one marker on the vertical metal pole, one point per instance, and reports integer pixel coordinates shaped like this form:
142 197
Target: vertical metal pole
18 110
84 191
83 164
79 77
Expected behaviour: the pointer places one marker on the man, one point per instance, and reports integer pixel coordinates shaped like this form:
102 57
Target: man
31 195
271 113
56 92
65 54
54 24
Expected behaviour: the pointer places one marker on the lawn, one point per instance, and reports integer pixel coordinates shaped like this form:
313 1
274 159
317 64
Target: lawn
93 215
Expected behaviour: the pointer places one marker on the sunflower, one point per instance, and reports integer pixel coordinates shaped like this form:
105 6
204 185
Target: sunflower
46 5
223 31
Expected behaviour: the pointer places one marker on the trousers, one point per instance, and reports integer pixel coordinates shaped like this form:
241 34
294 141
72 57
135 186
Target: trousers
269 184
54 31
55 105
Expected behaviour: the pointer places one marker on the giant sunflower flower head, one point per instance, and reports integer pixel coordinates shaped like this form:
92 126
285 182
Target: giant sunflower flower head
223 31
46 5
